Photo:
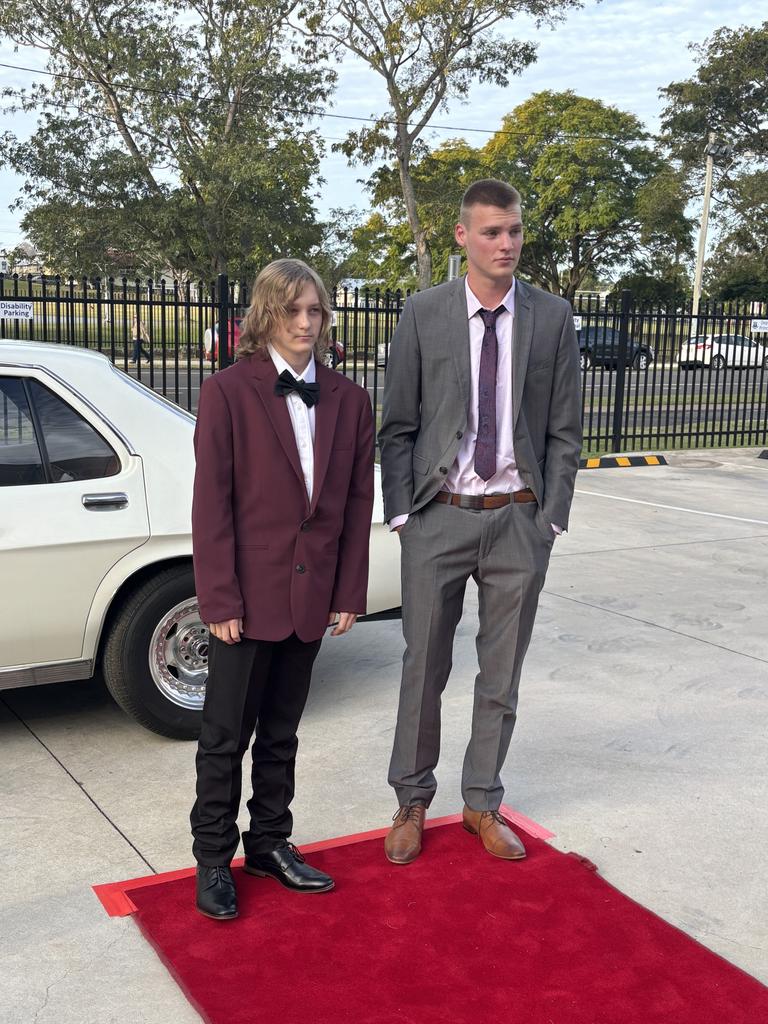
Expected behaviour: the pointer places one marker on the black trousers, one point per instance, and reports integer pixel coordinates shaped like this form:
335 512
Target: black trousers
259 685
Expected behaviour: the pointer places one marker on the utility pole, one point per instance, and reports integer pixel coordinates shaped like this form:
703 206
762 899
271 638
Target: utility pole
454 267
704 223
713 150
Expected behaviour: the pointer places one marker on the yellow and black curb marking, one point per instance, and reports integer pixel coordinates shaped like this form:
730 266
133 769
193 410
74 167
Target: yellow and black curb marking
620 461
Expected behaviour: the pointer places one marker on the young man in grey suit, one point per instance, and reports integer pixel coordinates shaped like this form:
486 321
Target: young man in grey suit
480 443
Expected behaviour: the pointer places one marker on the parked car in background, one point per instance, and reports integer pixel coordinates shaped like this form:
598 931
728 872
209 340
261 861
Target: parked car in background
96 476
722 350
333 356
599 346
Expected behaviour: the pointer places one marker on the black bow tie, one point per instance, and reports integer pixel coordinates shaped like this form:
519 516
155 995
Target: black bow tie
308 393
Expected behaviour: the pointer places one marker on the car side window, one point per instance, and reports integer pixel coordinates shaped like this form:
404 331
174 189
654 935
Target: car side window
20 459
75 450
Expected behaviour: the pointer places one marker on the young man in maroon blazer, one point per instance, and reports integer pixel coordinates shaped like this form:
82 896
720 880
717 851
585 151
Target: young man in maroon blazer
281 518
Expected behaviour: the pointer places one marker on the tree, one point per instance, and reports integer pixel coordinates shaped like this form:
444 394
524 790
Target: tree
174 133
427 52
728 95
596 194
738 268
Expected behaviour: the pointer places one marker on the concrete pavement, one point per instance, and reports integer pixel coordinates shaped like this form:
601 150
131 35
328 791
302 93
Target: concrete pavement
641 742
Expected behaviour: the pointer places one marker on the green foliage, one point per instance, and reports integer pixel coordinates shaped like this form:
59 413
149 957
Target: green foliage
728 95
738 268
594 197
169 135
427 52
595 192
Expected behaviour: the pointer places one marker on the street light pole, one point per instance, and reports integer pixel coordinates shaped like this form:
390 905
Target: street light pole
704 222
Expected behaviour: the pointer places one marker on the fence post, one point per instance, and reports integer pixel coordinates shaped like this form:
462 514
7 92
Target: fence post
621 369
222 284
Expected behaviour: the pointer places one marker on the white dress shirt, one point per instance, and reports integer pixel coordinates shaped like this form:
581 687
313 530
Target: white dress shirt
462 478
302 417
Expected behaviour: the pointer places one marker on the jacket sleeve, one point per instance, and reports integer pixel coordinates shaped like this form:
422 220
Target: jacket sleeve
350 589
401 416
213 531
564 430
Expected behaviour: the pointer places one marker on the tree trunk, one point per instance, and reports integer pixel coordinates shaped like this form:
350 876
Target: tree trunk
423 252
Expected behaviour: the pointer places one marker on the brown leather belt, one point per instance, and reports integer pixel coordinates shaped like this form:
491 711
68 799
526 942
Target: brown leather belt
483 501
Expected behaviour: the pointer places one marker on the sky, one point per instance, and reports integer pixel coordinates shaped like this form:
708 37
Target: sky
619 51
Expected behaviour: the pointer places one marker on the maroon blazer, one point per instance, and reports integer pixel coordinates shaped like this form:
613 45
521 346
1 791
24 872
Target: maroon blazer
261 551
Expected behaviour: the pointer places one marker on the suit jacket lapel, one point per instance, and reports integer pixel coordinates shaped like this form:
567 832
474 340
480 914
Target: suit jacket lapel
458 327
326 414
263 378
521 347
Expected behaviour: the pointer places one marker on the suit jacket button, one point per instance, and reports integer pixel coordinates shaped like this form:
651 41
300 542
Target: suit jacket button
459 434
444 470
301 568
304 527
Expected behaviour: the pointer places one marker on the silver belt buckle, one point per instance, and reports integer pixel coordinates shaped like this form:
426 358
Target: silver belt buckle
472 501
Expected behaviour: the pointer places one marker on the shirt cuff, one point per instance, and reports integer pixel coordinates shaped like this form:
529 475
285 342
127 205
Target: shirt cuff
558 529
396 521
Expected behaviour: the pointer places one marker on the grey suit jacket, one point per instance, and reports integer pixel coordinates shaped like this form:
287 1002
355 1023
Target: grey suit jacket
427 389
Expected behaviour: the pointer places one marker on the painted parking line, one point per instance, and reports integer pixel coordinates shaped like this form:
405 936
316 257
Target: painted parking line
672 508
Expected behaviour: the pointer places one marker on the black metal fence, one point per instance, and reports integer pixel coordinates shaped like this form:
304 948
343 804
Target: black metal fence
653 378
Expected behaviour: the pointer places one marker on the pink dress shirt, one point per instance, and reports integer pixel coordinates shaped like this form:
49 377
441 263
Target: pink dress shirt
461 478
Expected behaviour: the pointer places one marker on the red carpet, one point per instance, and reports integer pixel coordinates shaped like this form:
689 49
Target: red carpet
457 937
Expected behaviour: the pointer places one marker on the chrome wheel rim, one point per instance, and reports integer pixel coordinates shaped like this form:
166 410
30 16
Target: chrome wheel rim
178 656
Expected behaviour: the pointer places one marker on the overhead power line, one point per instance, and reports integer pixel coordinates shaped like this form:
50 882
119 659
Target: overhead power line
317 112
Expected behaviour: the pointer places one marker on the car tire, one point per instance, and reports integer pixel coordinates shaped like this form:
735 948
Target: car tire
641 361
163 694
718 362
585 360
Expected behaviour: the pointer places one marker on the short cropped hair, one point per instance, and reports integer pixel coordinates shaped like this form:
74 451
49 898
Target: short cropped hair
488 192
276 287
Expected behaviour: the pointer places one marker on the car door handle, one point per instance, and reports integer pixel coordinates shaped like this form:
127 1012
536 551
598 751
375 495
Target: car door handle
105 502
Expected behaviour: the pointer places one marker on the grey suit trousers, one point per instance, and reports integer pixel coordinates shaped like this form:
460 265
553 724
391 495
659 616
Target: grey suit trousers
507 552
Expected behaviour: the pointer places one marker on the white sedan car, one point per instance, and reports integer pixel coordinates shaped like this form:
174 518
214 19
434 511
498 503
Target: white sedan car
722 350
96 479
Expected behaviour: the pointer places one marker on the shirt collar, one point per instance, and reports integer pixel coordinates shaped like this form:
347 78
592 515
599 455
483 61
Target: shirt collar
308 376
474 304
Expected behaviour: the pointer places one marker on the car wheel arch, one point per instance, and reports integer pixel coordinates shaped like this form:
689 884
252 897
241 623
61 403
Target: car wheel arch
135 579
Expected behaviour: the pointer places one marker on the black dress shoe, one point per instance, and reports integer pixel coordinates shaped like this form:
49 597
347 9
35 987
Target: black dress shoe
216 895
287 866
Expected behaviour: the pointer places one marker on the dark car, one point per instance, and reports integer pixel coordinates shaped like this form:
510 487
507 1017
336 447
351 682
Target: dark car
599 346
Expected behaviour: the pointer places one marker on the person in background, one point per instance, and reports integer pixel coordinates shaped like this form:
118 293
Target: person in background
139 336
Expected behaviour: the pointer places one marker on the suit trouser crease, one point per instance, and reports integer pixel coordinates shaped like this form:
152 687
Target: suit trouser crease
253 685
507 554
427 666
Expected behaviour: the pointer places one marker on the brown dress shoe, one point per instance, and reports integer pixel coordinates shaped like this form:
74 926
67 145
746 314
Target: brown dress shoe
403 842
495 834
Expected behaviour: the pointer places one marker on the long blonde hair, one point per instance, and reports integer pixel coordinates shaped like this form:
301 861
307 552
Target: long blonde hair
276 287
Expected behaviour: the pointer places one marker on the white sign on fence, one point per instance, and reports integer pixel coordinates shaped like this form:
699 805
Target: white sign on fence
12 309
759 327
577 323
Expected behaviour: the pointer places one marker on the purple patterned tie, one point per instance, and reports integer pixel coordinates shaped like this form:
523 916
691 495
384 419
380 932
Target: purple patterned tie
485 449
